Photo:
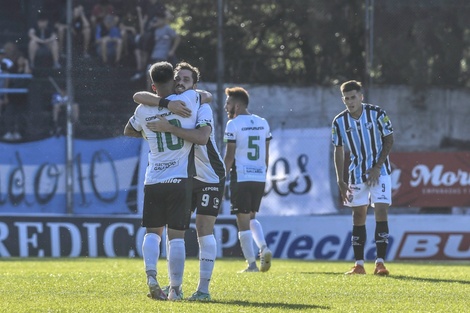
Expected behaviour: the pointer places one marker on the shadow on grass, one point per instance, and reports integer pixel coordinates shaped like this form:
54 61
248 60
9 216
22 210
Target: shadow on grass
399 277
300 307
432 280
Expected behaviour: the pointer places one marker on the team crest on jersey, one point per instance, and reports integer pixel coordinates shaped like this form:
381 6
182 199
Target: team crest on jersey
216 203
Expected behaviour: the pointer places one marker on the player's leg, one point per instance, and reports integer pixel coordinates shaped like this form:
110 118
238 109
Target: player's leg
381 200
359 204
246 241
151 243
257 189
206 200
179 217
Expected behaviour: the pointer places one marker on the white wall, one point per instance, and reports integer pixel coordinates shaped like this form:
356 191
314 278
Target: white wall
444 113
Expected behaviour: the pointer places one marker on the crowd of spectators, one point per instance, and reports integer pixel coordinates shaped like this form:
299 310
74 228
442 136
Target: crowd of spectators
137 31
131 33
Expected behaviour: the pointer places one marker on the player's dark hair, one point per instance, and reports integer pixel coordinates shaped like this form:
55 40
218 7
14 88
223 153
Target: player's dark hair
186 66
350 86
239 94
161 72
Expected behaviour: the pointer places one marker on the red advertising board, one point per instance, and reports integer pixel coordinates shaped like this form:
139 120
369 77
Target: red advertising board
430 179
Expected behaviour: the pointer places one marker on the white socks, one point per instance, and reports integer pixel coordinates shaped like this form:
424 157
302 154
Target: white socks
176 258
257 231
246 243
151 251
207 255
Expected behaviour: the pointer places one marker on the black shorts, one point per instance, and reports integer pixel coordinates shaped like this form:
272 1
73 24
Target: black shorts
246 196
168 204
207 198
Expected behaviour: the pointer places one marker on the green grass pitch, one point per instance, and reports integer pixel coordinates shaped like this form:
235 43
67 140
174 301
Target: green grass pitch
118 285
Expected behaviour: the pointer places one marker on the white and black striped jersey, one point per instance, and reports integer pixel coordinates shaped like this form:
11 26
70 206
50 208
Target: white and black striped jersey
363 138
210 167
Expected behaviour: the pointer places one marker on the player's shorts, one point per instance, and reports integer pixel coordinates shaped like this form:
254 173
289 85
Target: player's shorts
246 196
207 197
168 204
362 194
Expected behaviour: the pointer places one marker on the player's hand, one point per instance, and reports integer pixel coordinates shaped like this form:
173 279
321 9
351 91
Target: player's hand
344 191
373 176
178 107
162 125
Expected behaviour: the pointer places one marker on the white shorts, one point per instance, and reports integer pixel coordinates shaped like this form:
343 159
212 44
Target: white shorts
362 194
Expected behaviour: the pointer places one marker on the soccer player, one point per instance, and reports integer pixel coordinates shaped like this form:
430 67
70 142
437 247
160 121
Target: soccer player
168 182
209 182
367 132
246 157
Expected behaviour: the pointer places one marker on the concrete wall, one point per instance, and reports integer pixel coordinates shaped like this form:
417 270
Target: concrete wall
420 122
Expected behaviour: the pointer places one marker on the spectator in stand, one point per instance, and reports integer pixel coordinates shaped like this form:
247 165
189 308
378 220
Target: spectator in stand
59 101
43 35
108 40
99 11
81 30
165 40
151 10
131 29
16 103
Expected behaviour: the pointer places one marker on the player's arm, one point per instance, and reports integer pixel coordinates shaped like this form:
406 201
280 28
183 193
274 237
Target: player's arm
206 96
129 131
177 107
199 136
339 167
229 156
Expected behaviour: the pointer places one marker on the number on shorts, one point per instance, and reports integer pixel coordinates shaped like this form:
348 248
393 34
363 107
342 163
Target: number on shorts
205 199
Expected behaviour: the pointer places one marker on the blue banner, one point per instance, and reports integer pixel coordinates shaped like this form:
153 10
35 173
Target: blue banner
105 174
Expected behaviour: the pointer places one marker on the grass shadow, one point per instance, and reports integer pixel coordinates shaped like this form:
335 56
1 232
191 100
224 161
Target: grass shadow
273 305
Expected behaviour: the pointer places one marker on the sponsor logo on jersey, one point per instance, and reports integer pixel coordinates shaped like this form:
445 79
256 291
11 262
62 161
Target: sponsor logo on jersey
172 181
210 189
164 165
252 128
154 117
254 170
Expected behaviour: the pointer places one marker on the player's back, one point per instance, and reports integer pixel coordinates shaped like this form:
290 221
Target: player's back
169 156
250 133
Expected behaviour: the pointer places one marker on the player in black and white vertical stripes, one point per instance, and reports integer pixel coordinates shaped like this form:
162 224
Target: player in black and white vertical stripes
366 131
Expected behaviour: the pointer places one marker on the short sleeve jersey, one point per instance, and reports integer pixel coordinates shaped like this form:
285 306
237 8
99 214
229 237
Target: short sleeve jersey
164 37
363 137
210 167
249 133
169 156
